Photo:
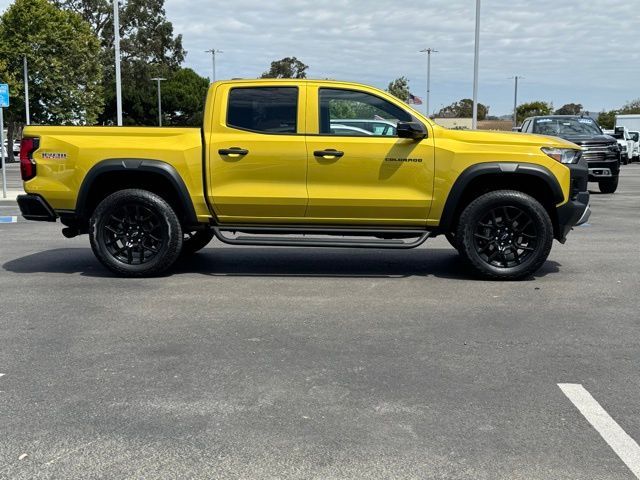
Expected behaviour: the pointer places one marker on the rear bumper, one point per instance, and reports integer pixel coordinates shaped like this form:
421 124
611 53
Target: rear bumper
34 207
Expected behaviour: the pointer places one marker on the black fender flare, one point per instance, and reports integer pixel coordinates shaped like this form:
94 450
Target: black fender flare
492 168
138 165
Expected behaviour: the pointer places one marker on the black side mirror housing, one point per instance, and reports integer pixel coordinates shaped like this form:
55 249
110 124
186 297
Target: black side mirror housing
414 130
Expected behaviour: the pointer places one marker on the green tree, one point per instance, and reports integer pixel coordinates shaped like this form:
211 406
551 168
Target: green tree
569 109
607 119
148 48
65 77
463 109
288 67
183 97
630 107
399 88
532 109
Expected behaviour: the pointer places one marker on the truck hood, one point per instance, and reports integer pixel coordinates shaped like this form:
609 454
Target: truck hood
585 140
506 138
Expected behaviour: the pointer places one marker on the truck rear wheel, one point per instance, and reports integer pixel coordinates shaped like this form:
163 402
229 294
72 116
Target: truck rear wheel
608 186
193 242
505 235
135 233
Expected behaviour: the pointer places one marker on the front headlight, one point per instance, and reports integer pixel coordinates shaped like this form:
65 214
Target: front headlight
563 155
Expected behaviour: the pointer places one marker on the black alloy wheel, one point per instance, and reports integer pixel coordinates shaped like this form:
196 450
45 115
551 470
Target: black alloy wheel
135 233
505 235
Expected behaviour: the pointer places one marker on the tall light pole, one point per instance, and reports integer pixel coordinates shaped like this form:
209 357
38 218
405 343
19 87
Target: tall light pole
213 52
428 51
159 79
474 121
116 45
515 101
26 90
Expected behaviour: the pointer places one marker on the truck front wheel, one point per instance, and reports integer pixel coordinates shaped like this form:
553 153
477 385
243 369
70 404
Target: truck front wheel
609 185
505 235
135 233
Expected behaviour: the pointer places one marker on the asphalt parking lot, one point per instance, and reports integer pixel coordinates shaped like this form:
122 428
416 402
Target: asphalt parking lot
312 363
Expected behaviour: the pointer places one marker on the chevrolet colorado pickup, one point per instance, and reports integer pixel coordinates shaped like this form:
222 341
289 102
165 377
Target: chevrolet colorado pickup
267 169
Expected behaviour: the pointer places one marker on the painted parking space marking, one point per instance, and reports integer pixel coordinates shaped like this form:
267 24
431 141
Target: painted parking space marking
620 442
8 219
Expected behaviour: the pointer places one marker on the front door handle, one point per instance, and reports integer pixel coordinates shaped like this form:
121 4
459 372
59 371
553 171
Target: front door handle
233 152
328 153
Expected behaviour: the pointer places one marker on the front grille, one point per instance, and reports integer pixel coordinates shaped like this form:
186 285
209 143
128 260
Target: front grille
598 152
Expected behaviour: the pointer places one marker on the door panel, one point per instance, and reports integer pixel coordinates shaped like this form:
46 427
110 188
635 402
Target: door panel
381 179
267 183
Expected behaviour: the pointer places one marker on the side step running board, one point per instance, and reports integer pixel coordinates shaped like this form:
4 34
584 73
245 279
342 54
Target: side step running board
303 241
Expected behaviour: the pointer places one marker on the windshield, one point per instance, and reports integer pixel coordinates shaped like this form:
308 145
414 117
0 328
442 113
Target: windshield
566 127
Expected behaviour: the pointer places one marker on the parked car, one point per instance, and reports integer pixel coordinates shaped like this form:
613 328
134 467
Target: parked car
15 149
266 169
621 134
632 123
635 136
599 150
375 126
338 129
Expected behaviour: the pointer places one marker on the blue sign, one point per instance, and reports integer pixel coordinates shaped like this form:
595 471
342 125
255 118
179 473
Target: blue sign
4 95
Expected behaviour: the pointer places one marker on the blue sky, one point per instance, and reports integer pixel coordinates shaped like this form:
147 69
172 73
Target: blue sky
568 51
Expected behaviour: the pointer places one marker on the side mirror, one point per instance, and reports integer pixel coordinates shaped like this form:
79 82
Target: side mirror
415 130
516 129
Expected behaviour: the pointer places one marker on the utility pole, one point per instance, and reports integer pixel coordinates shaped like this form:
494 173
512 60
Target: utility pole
428 51
116 44
26 90
474 121
159 79
515 101
213 52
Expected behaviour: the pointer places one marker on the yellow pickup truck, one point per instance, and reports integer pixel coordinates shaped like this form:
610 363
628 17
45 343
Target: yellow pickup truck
305 163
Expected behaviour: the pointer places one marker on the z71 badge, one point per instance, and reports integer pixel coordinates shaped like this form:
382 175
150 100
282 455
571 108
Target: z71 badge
54 156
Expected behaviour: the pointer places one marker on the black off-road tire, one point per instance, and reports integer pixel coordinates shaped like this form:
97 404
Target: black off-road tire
193 242
135 233
608 186
505 235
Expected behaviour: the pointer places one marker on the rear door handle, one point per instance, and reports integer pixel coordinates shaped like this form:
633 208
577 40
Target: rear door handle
233 151
328 153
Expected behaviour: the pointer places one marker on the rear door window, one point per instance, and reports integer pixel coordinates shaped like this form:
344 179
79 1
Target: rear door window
271 110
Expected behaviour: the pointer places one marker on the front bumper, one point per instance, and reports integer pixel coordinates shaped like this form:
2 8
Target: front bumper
34 207
603 169
577 210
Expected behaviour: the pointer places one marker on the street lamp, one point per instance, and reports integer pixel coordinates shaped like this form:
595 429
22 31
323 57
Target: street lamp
474 121
515 101
213 52
428 51
116 45
26 90
159 79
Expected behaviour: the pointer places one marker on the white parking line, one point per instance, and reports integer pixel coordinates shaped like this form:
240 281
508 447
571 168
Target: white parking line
621 443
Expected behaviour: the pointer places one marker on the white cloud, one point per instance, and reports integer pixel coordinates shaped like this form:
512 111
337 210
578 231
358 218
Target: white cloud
567 51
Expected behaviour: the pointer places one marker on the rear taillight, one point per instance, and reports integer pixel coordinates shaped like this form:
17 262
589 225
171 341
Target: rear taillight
27 163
